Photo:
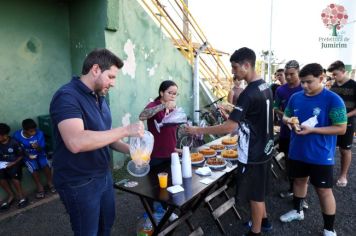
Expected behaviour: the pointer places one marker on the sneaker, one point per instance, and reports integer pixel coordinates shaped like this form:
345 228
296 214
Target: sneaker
305 205
329 233
292 215
286 194
173 217
264 227
22 203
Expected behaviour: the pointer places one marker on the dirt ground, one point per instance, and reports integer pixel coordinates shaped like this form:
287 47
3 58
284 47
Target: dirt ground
48 217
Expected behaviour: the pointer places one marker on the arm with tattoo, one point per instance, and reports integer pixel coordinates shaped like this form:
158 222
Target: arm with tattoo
150 112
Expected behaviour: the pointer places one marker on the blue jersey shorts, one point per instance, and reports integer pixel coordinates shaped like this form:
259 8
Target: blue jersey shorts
36 164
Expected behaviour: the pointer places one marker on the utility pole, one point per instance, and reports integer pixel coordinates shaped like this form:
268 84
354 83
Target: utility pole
269 79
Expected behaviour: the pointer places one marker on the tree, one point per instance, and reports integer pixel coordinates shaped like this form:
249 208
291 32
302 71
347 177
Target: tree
334 17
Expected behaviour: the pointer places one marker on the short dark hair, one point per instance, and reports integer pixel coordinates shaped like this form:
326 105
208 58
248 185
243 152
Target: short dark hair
104 58
4 129
292 64
336 65
313 69
29 124
243 55
164 86
279 70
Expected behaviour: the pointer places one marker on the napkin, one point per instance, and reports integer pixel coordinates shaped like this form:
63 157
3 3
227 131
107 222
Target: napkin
207 180
203 171
311 122
175 189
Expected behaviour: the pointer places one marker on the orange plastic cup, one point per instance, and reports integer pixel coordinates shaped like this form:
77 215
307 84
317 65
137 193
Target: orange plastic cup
163 179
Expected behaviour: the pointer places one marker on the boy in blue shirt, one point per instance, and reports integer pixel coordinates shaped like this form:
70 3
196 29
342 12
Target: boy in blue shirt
322 115
35 158
11 153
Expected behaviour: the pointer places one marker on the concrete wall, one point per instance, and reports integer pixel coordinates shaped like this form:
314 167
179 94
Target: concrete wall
87 21
149 59
34 59
43 43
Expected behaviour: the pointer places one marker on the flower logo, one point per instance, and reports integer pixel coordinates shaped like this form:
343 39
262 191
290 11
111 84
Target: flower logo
334 17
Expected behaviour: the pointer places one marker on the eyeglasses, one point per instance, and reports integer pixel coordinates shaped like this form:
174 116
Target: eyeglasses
173 94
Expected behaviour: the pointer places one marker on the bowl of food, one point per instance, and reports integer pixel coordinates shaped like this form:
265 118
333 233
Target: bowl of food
218 148
208 152
230 142
197 158
216 163
230 154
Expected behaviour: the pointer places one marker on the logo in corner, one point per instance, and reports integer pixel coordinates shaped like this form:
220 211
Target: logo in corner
334 17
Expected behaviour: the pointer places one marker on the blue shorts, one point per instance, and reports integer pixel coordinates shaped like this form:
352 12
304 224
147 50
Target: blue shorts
36 164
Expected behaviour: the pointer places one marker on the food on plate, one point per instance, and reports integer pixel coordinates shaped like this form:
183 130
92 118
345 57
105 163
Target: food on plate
215 161
208 152
217 147
229 141
295 123
196 156
229 154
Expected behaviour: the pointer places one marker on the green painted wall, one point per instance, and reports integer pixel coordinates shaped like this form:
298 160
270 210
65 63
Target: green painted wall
87 21
42 48
34 60
149 58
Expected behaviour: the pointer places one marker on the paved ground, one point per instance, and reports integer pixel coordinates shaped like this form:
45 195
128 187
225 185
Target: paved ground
49 218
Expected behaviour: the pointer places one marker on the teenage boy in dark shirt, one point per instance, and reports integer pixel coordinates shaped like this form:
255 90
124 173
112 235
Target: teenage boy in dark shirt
252 118
346 89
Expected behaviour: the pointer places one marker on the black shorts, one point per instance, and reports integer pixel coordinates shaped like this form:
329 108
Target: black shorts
321 176
14 172
345 141
284 145
252 181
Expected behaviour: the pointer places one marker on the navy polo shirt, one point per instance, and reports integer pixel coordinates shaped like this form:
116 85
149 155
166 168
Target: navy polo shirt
76 100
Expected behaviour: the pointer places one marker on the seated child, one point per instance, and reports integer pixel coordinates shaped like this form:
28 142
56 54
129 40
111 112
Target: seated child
11 152
35 158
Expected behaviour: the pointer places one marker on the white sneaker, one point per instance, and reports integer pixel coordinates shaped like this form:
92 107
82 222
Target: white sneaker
292 215
329 233
173 217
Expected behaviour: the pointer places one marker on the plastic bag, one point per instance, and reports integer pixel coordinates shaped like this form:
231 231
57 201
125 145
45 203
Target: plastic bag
141 149
176 117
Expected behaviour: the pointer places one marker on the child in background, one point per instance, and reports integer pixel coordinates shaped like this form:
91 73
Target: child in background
11 152
33 143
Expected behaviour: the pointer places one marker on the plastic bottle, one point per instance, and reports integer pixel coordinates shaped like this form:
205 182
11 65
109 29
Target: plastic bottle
159 213
144 226
176 169
186 163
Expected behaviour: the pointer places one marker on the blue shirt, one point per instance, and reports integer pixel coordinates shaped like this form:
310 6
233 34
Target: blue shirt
76 100
27 143
329 109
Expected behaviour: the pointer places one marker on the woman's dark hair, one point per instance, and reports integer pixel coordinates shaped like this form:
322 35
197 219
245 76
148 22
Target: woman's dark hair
29 124
243 55
104 58
164 86
4 129
313 69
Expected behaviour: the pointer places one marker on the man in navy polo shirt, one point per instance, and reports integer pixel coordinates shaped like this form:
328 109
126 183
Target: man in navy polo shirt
83 133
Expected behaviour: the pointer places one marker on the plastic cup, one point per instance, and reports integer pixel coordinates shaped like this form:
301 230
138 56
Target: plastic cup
163 179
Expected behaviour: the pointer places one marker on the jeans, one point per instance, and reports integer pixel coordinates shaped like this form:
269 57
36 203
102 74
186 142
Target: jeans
90 204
